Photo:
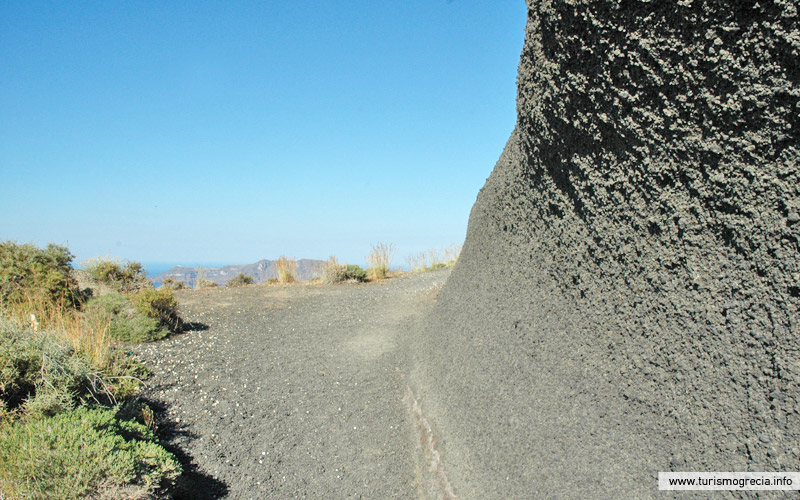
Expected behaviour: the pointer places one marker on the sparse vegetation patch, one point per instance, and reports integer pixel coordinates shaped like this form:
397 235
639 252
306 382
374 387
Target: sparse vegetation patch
333 272
62 379
433 259
171 284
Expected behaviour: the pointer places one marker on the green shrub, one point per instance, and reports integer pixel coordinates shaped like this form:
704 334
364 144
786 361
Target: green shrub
42 375
158 304
137 328
354 272
240 280
83 453
20 364
127 277
127 323
31 273
272 281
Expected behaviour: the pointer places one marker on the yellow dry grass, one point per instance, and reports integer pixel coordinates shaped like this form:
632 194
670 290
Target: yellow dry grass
86 333
379 259
287 269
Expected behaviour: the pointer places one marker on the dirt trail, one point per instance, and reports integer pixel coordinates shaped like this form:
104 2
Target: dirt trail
298 392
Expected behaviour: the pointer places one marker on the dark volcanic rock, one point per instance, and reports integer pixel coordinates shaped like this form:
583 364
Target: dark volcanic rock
627 297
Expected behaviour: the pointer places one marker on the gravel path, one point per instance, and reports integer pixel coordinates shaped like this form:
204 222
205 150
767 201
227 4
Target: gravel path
298 391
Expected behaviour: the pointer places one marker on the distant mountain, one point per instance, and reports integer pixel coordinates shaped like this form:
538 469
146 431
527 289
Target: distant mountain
261 271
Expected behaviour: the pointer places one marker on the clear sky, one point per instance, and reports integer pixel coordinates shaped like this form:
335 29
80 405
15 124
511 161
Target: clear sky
228 132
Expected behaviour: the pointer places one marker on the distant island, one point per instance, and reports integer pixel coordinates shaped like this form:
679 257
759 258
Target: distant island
261 271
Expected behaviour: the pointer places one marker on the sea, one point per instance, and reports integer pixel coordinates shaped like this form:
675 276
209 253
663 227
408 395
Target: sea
154 268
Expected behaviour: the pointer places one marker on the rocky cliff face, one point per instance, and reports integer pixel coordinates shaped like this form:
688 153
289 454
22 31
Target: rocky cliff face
635 251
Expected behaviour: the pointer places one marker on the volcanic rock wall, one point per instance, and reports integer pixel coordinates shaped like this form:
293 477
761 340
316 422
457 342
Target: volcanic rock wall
635 251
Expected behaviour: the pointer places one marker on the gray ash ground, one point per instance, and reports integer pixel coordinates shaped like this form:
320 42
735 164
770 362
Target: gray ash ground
294 391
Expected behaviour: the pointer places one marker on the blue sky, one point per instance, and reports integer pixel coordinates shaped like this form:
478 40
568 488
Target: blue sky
228 132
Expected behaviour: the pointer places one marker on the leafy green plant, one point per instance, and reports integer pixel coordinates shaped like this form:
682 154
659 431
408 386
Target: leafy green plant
123 277
240 280
82 453
29 273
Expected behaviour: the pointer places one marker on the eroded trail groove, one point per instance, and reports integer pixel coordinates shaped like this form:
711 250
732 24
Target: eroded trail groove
296 392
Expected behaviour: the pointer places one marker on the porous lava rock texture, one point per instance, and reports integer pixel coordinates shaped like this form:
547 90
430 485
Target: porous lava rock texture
627 298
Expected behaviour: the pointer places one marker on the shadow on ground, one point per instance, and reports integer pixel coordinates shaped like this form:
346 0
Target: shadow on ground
192 326
193 484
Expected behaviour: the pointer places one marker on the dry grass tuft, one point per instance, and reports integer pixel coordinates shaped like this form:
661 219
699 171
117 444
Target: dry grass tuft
287 269
379 259
333 272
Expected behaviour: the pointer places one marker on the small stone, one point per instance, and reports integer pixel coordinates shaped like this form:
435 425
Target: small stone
764 438
793 218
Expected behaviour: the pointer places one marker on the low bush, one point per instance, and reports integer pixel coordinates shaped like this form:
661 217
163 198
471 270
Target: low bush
143 316
127 324
272 281
354 272
82 453
127 277
241 280
137 328
31 274
287 269
379 259
158 304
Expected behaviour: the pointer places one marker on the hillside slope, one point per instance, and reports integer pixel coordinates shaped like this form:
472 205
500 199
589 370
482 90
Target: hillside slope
261 271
